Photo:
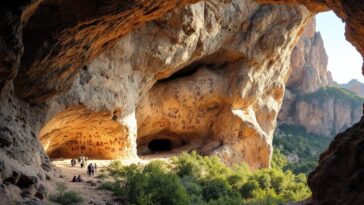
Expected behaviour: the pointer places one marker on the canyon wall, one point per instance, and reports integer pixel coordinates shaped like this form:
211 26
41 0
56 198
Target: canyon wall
312 99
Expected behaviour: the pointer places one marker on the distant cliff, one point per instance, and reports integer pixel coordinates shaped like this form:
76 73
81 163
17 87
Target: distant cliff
311 99
355 86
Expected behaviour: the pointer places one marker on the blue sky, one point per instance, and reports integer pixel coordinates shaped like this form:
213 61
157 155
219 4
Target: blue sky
344 60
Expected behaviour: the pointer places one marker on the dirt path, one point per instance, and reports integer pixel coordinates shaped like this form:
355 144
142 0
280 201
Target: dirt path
88 188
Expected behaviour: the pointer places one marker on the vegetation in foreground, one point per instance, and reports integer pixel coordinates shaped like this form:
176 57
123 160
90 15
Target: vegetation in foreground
197 180
301 148
64 197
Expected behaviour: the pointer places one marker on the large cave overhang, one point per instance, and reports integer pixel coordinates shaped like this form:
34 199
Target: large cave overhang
78 131
59 37
73 34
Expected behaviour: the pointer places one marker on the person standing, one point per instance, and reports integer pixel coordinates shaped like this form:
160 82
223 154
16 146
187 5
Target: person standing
89 169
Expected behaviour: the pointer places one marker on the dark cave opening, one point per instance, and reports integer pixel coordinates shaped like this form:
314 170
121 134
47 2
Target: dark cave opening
215 61
160 145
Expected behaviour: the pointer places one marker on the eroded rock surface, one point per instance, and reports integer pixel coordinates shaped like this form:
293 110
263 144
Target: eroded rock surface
309 63
219 59
312 99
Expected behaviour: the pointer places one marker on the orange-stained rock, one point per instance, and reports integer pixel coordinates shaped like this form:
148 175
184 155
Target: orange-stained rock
191 79
77 131
59 37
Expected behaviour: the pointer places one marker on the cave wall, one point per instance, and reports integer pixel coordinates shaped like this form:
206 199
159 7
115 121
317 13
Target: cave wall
137 78
104 95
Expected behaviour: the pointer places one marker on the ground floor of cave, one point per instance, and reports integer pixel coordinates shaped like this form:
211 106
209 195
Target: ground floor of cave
88 189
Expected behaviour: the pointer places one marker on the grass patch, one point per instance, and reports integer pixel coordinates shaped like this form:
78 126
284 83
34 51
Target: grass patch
64 197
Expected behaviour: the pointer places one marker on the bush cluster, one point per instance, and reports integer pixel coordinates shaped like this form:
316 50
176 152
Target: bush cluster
191 179
64 197
294 140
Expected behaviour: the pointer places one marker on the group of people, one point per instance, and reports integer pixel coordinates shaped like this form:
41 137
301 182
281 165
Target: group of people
77 179
91 169
81 160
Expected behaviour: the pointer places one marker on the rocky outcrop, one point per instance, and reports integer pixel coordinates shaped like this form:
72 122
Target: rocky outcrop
215 86
309 63
227 45
351 12
355 86
326 112
338 178
61 37
311 99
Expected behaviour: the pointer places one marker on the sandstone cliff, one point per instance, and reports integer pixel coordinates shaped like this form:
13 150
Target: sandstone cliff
326 112
309 63
311 99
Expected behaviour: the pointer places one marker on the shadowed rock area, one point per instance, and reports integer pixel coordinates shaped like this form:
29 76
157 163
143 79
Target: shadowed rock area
340 170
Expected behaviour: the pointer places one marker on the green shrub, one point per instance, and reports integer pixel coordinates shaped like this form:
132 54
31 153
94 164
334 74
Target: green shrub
248 188
194 179
111 186
215 189
294 140
65 197
102 176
